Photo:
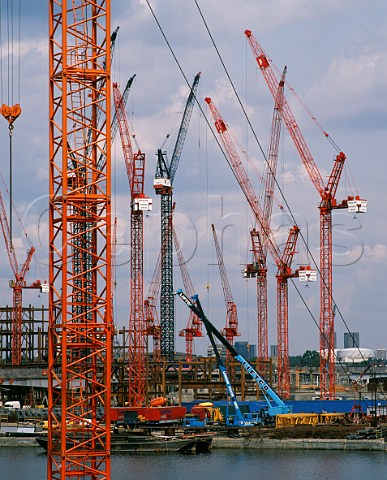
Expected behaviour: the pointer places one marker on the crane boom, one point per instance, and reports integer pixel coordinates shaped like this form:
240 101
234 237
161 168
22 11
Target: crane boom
7 238
291 124
272 155
244 181
269 394
231 329
183 129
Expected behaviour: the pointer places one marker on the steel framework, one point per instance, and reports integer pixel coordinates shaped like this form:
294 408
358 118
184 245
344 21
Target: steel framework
80 322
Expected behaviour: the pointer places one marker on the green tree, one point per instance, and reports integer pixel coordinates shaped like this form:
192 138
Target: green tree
310 358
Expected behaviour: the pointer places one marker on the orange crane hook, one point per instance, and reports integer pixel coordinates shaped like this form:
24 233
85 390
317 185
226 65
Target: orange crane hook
10 113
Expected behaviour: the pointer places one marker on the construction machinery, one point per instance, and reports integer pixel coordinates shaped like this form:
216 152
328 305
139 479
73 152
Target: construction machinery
17 284
140 203
80 315
327 192
282 260
259 248
274 404
193 328
163 182
231 329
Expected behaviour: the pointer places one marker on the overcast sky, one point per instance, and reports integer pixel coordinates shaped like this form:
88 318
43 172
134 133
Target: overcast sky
336 56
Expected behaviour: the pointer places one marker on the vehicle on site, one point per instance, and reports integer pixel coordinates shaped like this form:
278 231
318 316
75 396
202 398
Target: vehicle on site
274 404
12 404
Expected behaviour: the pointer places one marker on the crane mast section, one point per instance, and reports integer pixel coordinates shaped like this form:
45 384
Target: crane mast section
80 315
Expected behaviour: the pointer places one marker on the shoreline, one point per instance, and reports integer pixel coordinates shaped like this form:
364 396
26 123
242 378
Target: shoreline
298 444
219 442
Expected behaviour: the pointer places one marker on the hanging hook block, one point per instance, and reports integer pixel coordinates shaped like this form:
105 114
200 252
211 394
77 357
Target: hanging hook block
10 113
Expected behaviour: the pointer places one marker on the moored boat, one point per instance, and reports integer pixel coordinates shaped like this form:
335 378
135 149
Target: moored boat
140 443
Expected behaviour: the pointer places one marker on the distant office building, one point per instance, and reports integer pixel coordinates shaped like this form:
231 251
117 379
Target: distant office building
243 348
253 352
221 349
381 354
273 351
351 340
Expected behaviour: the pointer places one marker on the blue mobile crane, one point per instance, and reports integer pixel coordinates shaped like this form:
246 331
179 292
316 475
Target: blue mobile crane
274 404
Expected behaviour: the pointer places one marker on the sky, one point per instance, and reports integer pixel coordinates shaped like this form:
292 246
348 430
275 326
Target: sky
336 58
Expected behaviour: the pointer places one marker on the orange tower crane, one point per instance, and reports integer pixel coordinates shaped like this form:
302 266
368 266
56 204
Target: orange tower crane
17 285
140 203
80 330
283 262
231 329
194 325
328 202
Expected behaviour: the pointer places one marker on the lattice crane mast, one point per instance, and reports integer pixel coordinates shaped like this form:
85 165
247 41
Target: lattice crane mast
282 261
17 285
140 203
194 325
152 319
164 177
231 329
328 202
80 330
259 268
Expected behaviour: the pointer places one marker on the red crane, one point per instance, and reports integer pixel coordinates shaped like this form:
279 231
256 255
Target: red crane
152 322
135 169
194 325
282 261
231 329
17 285
328 202
259 249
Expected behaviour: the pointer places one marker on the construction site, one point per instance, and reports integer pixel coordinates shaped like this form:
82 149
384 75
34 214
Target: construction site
97 341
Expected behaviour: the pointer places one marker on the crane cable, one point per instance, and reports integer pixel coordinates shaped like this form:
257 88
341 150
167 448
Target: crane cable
10 113
289 211
259 145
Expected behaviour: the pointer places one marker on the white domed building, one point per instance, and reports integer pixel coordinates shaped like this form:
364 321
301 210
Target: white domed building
353 355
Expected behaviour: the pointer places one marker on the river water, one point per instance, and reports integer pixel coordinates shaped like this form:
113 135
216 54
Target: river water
26 463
